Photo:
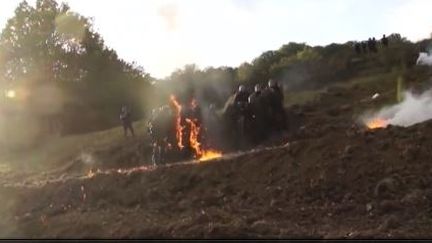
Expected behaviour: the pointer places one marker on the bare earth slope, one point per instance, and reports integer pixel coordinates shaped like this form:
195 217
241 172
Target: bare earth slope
330 179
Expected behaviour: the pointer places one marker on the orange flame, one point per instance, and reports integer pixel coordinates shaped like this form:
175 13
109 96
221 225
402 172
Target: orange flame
193 137
194 142
200 154
377 123
210 154
179 127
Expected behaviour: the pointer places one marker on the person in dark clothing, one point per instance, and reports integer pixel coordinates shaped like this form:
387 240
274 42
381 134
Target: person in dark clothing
258 109
241 102
126 120
384 41
374 45
274 96
357 48
364 46
242 116
242 95
369 44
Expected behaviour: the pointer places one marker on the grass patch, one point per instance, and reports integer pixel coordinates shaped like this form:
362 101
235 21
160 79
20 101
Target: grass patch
58 150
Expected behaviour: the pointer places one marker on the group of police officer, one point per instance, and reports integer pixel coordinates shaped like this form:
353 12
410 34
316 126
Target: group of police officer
370 45
261 111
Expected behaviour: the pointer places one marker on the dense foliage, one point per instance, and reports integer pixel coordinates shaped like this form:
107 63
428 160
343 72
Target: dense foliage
62 71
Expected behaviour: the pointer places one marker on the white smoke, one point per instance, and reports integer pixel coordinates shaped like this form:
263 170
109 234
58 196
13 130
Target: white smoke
424 58
412 110
87 158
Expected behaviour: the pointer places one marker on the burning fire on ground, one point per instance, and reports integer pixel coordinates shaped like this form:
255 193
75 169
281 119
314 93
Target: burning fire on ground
194 135
377 123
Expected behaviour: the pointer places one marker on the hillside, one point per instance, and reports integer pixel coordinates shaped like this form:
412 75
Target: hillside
330 177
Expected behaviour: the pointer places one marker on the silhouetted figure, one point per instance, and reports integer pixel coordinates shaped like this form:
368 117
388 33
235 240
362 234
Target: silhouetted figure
364 46
369 44
274 97
258 107
126 120
242 95
357 48
384 41
242 116
374 45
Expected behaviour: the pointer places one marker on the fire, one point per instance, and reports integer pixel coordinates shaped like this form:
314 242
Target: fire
377 123
200 154
194 135
210 154
179 127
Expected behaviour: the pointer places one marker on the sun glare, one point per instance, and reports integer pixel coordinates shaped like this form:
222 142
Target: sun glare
10 94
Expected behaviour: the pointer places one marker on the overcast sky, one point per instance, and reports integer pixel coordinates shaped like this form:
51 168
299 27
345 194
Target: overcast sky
162 35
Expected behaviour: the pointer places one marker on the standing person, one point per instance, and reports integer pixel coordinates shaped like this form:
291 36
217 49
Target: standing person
126 120
241 116
275 99
374 45
357 48
369 44
241 95
384 41
258 109
364 46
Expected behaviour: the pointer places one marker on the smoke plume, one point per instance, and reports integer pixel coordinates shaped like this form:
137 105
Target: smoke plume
424 58
415 108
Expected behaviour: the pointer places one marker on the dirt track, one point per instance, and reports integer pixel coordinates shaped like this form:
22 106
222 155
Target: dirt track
336 180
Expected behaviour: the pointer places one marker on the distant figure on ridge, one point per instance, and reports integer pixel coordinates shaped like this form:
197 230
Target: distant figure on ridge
384 41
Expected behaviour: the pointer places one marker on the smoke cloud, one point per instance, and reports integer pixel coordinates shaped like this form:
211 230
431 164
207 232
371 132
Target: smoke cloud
424 59
415 108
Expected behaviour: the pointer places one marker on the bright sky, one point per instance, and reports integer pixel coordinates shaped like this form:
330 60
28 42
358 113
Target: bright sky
162 35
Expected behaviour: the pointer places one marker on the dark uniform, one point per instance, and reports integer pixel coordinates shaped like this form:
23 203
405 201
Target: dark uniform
126 120
277 118
364 46
374 45
241 97
357 48
384 41
258 109
241 108
241 118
